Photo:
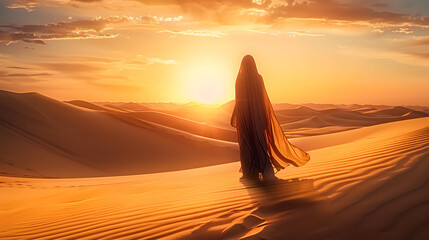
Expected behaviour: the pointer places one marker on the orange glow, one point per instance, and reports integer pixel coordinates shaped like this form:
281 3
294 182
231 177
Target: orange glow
207 81
134 51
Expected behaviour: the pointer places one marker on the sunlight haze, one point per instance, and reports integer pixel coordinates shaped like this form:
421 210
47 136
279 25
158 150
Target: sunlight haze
190 51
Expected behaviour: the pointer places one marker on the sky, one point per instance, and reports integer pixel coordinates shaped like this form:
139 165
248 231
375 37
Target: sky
308 51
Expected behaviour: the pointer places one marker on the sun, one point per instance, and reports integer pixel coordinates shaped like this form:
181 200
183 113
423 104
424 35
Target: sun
207 90
210 83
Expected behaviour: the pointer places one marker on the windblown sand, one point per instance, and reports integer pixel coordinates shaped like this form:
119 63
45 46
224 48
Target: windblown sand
366 183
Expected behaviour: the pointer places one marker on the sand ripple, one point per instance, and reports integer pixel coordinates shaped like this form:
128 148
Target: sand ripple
376 187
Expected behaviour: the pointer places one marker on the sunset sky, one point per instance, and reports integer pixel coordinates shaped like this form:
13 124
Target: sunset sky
319 51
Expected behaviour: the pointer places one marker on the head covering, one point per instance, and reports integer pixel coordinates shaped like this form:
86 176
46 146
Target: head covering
256 121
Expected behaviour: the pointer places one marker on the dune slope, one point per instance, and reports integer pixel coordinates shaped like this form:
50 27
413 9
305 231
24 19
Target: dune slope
47 138
43 137
374 186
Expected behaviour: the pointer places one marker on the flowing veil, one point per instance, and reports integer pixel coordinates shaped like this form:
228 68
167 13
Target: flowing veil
253 112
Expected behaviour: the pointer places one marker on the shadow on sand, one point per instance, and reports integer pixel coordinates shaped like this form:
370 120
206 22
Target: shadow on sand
270 200
282 194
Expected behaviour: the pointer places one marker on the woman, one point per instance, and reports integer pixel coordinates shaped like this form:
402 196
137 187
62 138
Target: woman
261 139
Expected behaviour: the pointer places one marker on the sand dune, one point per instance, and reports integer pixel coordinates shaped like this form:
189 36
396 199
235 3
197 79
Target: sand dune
186 125
133 107
296 120
47 138
44 137
305 121
395 111
309 122
209 115
114 108
87 105
371 184
167 119
300 111
305 132
364 109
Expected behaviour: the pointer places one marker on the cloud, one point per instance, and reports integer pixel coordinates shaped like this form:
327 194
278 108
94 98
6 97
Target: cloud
20 68
247 13
331 10
305 33
269 12
71 71
404 30
28 5
76 62
72 67
19 78
78 29
418 41
116 86
94 70
400 56
397 29
87 1
12 75
98 74
232 12
223 12
149 61
86 59
191 5
254 12
200 33
34 41
424 55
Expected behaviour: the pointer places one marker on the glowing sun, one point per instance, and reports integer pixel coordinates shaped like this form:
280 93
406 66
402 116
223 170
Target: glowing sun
210 83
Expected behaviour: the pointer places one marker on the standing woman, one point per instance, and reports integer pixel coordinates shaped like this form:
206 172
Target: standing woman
261 139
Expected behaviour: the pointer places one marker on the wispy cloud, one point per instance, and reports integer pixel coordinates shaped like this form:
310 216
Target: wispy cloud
403 30
401 56
109 73
85 59
28 5
99 71
254 12
14 75
199 33
419 55
78 29
417 41
149 61
78 61
88 1
305 33
72 67
20 68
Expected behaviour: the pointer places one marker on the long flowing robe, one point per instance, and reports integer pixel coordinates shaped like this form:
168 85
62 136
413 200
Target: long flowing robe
260 136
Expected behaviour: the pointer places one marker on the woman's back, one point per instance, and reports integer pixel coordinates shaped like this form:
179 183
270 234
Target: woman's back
261 139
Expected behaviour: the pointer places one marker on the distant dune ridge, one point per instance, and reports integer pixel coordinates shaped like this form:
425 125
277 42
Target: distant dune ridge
43 137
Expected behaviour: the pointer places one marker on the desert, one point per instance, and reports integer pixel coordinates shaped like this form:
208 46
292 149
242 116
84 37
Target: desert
118 173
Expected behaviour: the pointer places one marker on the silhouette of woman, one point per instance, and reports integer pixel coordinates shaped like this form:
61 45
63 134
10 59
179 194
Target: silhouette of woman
260 137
